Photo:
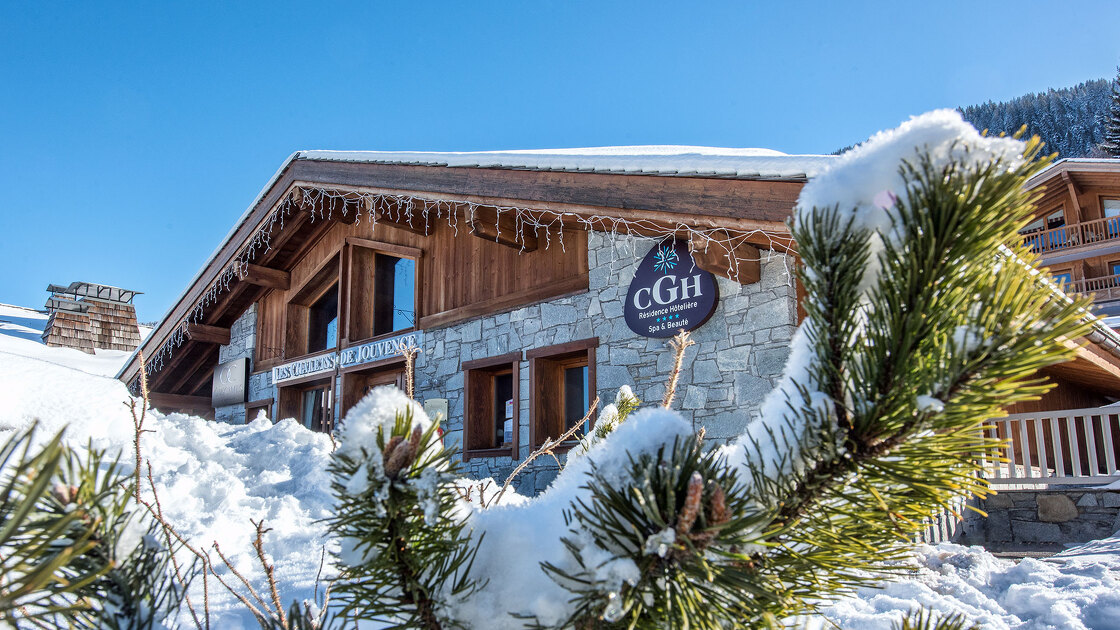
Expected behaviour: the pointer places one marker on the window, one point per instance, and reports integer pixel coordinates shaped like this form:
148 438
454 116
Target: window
1063 278
1055 219
563 382
394 287
491 407
322 322
1111 209
356 383
311 403
255 407
316 412
382 289
313 314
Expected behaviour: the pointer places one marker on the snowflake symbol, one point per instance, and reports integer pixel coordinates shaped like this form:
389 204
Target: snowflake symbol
665 259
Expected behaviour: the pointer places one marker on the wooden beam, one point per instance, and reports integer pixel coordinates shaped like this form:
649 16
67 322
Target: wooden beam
503 228
1071 188
742 264
204 333
187 371
267 277
178 401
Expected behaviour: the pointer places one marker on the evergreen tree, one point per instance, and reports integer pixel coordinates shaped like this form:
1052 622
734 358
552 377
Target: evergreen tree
1111 143
77 551
1070 121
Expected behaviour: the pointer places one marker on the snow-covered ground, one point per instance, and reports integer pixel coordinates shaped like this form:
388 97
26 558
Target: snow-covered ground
213 478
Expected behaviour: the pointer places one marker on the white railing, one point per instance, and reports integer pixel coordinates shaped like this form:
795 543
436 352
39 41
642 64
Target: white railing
1073 446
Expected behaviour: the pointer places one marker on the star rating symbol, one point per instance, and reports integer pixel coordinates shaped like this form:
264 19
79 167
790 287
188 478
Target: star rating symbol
668 317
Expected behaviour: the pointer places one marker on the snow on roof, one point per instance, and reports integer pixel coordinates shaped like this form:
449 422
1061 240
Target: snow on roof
1075 164
748 163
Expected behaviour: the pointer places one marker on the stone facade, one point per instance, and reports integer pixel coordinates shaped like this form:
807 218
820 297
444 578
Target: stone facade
1045 519
242 344
739 353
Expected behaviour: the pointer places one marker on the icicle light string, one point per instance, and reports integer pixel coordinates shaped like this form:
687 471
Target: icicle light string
322 204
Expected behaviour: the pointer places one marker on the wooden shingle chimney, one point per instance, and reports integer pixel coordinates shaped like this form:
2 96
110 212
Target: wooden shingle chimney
86 316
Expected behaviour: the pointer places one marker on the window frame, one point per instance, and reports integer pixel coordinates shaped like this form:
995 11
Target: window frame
545 369
1061 271
386 370
290 396
311 319
350 280
480 373
297 310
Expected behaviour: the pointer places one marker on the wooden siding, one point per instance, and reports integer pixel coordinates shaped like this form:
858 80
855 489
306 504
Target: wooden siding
458 277
1065 395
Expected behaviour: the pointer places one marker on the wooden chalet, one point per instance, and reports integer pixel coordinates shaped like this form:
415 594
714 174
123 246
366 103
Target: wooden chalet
514 274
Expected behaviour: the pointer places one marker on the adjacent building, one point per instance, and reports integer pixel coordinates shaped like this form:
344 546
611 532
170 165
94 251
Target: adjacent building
1077 229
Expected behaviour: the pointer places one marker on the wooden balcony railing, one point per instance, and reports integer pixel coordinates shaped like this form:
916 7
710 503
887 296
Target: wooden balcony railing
1100 289
1075 235
1075 446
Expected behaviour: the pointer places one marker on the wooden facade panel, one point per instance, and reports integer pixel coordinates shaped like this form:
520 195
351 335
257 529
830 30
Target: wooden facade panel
270 329
719 197
456 274
1064 395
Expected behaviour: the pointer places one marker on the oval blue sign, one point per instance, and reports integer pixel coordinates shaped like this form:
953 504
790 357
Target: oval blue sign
669 292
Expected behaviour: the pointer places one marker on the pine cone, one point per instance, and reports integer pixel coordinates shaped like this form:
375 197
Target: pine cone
399 459
691 507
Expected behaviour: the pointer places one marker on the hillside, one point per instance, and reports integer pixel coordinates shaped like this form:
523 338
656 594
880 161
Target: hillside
1070 120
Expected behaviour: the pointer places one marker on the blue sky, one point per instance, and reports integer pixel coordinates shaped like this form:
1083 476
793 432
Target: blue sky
134 134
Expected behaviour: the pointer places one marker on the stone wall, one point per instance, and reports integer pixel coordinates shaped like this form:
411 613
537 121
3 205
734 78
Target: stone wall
738 357
1044 518
242 344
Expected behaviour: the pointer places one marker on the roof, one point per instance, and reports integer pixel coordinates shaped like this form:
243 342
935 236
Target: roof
692 161
658 160
1074 165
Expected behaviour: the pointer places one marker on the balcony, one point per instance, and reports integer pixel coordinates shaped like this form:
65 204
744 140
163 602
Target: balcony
1075 235
1101 289
1075 446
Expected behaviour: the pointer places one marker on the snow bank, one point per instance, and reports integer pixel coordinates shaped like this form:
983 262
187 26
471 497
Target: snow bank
212 478
1069 592
520 536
